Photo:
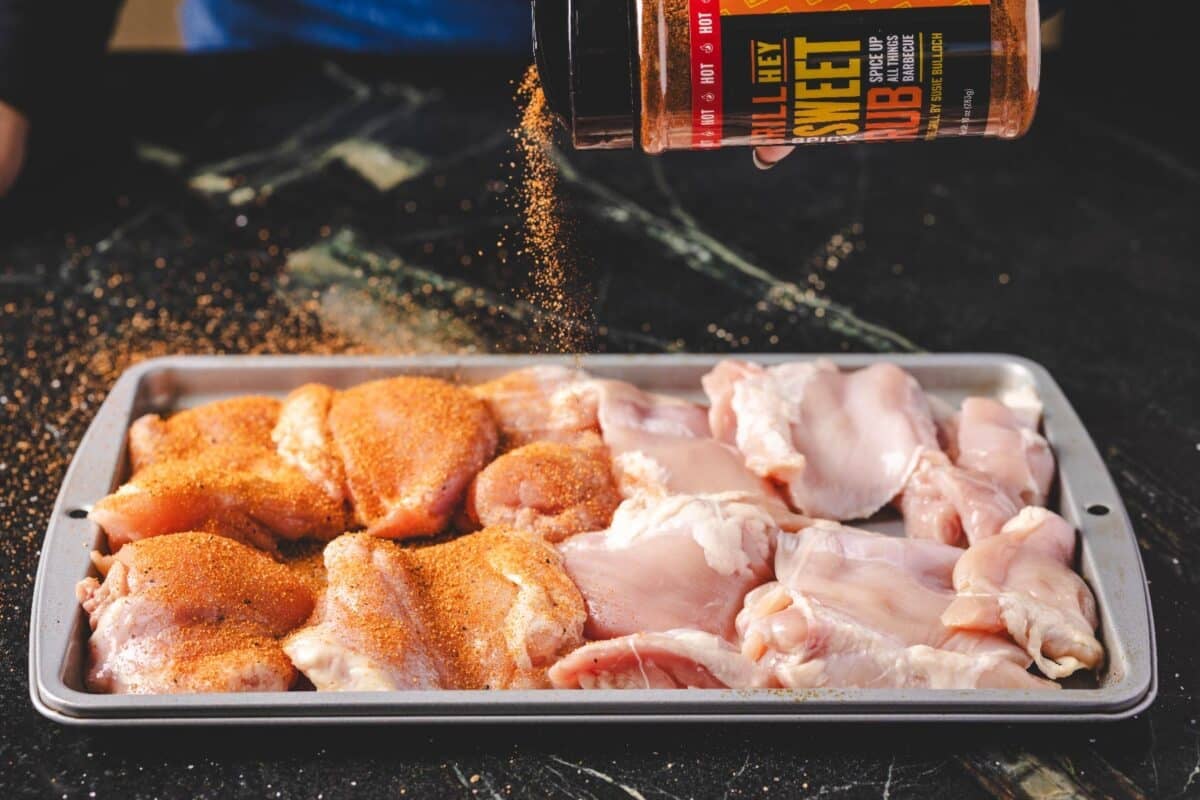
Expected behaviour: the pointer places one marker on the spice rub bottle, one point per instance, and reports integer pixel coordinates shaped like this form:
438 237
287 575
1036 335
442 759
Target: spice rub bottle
698 74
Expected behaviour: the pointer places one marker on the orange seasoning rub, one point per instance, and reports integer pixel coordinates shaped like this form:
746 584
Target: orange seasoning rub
701 74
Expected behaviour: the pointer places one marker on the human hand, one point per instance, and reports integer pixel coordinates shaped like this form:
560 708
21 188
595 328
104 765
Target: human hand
767 157
14 129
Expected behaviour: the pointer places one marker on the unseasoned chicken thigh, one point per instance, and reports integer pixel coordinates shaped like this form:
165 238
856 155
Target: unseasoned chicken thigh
1021 582
993 441
1001 464
191 612
668 562
680 659
663 445
841 444
952 505
852 608
555 490
245 493
239 421
492 609
410 447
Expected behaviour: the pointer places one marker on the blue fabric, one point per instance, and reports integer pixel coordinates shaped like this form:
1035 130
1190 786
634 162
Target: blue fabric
362 25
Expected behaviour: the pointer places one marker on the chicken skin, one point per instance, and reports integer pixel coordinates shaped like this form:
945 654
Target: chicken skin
552 489
1021 582
239 422
539 404
410 448
842 445
492 609
191 612
245 493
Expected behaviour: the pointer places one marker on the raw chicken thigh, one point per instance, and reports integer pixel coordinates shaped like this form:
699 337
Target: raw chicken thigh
662 445
368 633
552 489
492 609
993 441
842 444
539 404
668 562
239 421
952 505
191 612
1001 464
1021 582
410 447
680 659
303 439
852 608
245 493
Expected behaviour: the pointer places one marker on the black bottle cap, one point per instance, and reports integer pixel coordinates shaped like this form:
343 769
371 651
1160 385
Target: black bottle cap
584 53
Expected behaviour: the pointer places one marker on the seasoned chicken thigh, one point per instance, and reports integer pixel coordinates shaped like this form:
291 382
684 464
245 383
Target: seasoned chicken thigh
1021 582
303 439
239 421
191 612
492 609
410 447
245 493
676 561
852 608
368 633
841 444
555 490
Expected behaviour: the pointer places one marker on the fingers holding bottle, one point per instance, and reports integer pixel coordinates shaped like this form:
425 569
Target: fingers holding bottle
767 157
14 130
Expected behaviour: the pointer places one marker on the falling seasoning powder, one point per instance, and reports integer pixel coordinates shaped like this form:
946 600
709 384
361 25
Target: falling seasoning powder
557 287
700 74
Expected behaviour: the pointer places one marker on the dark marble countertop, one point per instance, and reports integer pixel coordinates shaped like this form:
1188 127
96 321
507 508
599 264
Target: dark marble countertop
296 202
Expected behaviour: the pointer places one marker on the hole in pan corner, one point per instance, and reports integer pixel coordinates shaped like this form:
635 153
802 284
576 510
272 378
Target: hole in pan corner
78 513
1098 510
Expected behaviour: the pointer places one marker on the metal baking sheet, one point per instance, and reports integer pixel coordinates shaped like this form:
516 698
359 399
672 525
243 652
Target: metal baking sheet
1085 496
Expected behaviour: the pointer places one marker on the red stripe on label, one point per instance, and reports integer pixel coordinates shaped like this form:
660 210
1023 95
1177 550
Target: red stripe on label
707 96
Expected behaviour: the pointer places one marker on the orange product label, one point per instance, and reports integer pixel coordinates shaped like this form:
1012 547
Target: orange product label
735 7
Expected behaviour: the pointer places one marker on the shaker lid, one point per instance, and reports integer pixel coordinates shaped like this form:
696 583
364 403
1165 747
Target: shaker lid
584 54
